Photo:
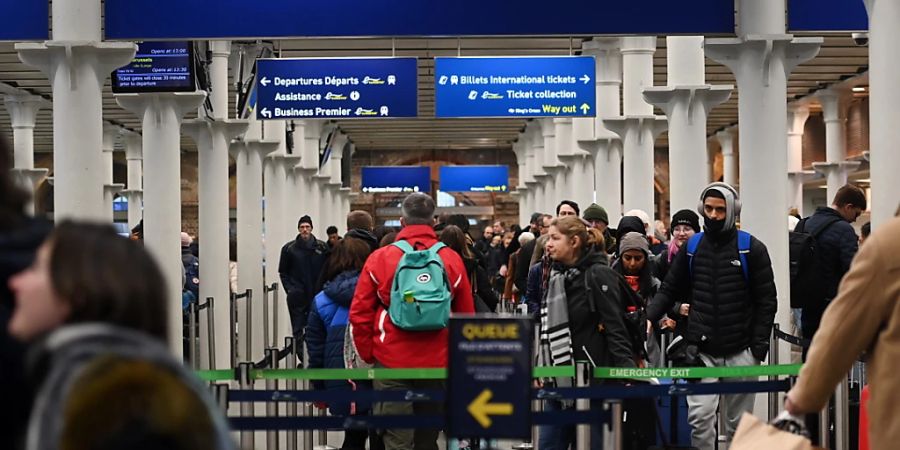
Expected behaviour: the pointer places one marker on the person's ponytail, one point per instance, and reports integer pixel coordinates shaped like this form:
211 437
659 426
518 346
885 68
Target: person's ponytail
595 238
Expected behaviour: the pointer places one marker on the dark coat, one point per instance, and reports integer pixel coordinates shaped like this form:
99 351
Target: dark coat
325 332
17 251
481 285
299 267
365 236
596 317
728 314
191 271
534 293
522 264
835 246
627 225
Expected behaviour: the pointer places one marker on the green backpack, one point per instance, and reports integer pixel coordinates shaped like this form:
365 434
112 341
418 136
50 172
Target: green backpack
420 294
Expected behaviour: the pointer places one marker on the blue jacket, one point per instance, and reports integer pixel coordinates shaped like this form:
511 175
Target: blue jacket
328 319
836 246
533 293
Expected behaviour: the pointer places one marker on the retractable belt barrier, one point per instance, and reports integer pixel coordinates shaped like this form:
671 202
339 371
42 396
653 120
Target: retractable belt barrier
629 387
539 372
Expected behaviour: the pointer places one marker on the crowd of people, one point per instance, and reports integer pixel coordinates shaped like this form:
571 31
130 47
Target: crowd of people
84 361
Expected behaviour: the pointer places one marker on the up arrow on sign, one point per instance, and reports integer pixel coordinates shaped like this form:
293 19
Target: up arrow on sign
585 108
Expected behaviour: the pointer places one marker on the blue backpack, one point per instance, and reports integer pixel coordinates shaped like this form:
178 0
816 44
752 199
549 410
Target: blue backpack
743 242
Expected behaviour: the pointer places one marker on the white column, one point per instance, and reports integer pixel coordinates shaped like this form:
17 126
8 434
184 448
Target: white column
540 174
531 181
294 188
638 127
110 188
835 102
309 164
77 63
522 190
796 120
552 165
761 59
160 118
212 138
23 109
565 153
134 191
593 136
248 156
729 158
686 101
277 226
332 182
884 134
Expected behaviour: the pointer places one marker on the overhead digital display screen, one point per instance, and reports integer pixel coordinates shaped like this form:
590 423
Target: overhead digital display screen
157 67
474 178
396 180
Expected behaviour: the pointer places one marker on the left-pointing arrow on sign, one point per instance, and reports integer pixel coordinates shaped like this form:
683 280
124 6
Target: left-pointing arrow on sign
265 81
266 113
481 410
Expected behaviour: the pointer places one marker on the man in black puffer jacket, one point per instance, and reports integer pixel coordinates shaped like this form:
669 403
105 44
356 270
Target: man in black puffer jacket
732 307
299 267
836 245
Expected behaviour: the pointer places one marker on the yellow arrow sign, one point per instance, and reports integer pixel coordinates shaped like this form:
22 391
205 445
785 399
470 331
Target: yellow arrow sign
481 410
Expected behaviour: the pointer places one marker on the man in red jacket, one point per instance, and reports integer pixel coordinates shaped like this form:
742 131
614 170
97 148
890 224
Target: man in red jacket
381 343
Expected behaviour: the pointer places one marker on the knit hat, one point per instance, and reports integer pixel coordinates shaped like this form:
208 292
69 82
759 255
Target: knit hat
596 212
685 217
305 219
186 239
634 241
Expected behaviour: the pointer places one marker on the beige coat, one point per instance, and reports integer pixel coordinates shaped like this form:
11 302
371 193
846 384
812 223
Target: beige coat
865 315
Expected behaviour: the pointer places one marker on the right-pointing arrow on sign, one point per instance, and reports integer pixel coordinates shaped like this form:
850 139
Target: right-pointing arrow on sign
265 81
481 410
266 113
586 79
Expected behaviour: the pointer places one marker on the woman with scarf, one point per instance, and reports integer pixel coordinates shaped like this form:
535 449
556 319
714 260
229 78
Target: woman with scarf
582 319
633 264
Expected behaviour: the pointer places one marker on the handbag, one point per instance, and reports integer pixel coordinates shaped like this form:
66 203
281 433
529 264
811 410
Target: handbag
754 434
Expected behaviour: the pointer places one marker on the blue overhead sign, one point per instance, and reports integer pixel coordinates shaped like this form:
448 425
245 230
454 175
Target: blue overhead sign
490 377
25 20
336 88
396 180
827 15
220 19
474 178
515 87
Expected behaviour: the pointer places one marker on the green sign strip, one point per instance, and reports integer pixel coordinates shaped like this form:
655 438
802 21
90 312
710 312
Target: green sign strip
539 372
698 372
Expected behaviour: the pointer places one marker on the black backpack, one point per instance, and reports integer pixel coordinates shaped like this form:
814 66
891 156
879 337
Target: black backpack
806 265
634 312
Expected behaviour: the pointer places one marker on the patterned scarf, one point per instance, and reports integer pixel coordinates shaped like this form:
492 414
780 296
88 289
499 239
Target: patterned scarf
555 336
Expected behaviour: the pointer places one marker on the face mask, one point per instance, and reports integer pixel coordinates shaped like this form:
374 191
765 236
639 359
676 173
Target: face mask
714 226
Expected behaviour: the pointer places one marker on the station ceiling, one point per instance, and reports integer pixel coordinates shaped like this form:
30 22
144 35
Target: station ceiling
838 59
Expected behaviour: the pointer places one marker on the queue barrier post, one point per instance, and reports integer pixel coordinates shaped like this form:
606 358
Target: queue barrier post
582 430
246 383
274 290
211 331
290 343
272 407
193 336
247 330
773 360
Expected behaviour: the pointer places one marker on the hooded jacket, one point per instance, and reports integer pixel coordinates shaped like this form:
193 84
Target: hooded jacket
596 317
835 246
365 236
17 250
325 334
93 370
727 314
375 336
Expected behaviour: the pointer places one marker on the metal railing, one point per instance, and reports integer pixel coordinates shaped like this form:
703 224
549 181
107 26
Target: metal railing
242 331
273 324
194 331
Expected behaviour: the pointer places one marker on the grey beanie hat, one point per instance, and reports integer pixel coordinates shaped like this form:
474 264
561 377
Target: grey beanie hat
634 241
732 202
